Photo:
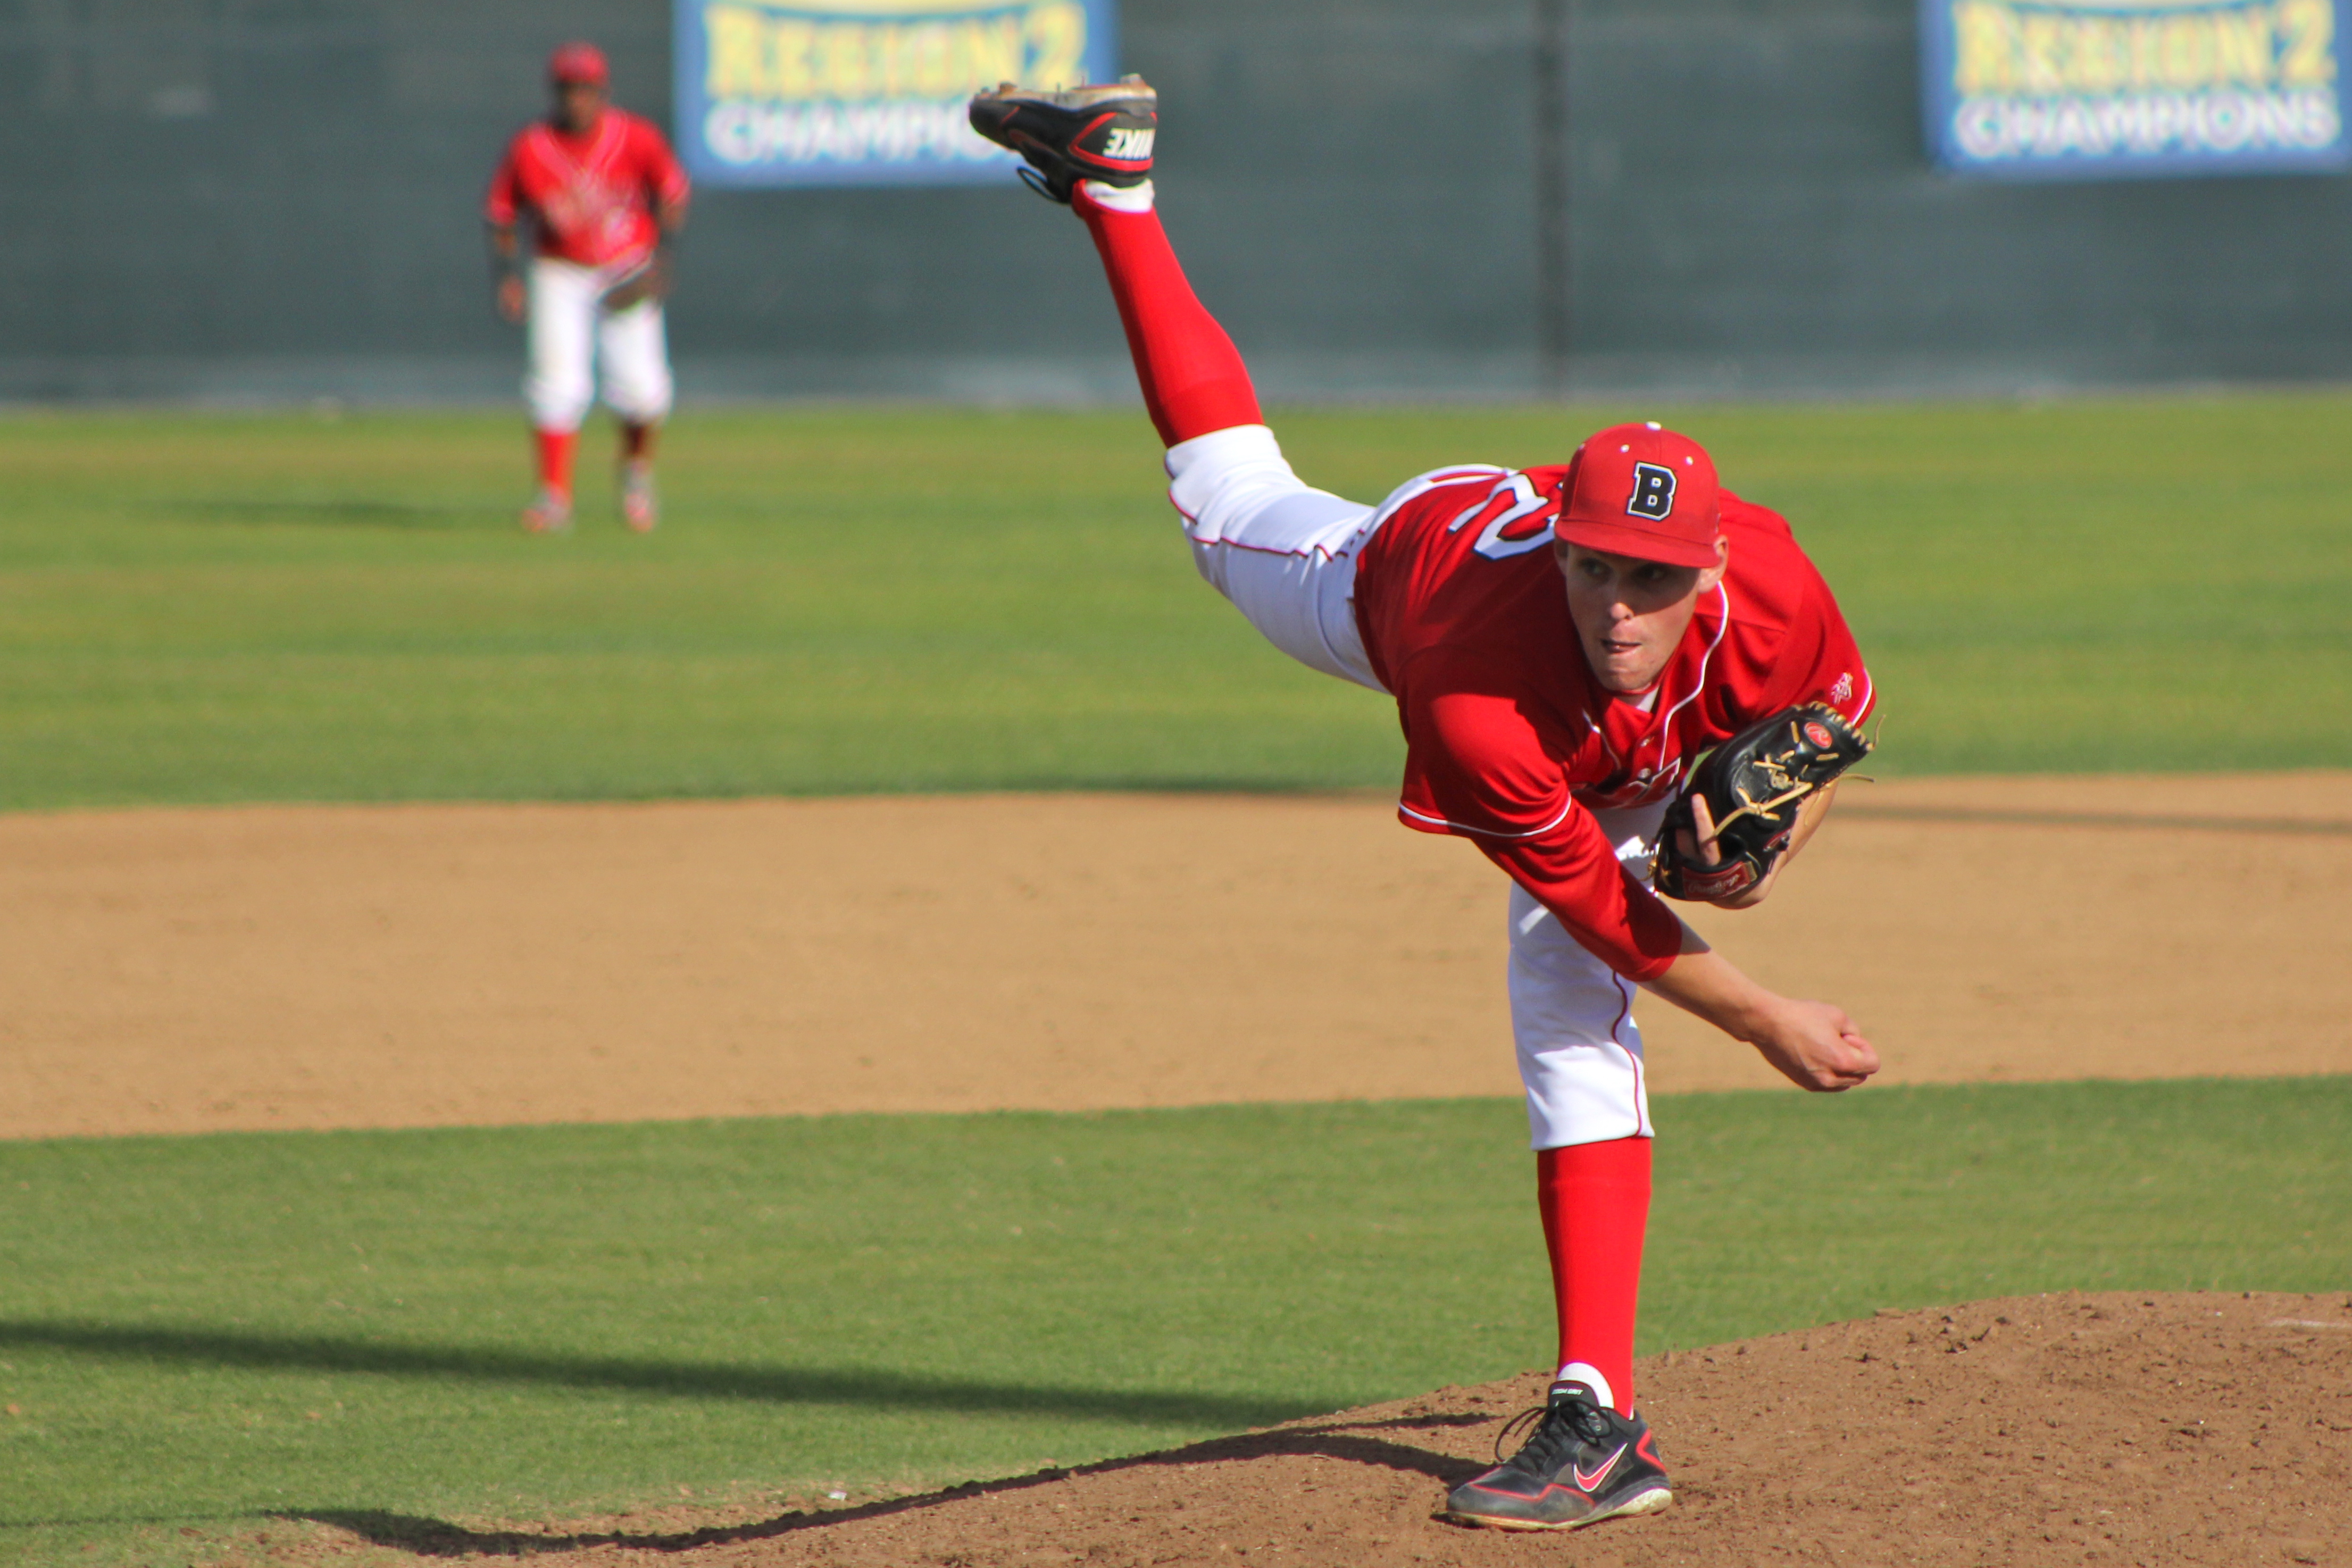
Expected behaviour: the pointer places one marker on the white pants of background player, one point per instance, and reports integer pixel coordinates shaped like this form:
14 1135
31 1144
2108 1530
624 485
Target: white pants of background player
1286 555
572 336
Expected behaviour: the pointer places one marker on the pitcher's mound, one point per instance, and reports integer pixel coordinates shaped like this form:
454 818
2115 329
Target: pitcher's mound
2118 1430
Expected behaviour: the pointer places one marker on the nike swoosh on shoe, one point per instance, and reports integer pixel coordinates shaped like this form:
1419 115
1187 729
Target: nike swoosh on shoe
1586 1482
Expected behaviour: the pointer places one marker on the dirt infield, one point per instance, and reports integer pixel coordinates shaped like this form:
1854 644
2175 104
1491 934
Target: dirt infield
185 970
2031 1432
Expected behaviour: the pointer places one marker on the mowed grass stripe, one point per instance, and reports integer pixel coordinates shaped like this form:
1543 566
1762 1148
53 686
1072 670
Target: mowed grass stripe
215 609
518 1323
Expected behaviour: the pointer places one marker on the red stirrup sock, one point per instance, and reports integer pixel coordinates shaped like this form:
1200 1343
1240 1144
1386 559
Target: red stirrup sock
1595 1199
1193 377
555 458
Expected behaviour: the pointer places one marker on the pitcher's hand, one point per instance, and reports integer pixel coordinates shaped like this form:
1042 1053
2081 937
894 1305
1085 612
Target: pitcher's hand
1816 1046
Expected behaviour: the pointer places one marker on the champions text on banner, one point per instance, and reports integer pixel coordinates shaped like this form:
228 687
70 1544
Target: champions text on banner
2091 90
868 92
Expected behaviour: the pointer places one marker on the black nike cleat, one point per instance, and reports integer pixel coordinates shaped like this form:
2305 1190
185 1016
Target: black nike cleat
1583 1464
1084 133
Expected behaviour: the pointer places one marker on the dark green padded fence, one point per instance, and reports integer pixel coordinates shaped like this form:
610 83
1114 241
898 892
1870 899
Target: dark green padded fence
275 199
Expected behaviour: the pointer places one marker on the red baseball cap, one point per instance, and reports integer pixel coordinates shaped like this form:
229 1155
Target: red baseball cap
578 63
1644 491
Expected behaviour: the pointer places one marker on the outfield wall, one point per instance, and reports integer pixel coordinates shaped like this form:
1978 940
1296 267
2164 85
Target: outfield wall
225 200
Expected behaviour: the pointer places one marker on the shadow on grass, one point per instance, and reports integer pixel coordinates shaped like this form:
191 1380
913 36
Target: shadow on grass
1330 1440
337 514
688 1380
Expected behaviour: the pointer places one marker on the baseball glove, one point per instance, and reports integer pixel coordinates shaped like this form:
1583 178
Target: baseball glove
1753 785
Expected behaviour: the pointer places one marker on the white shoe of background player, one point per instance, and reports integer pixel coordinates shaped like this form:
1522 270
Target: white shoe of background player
549 512
640 506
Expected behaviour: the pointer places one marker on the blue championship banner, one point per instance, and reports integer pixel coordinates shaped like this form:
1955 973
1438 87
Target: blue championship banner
2094 90
868 92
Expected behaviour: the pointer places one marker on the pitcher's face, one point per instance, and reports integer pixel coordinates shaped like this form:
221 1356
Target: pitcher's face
1630 614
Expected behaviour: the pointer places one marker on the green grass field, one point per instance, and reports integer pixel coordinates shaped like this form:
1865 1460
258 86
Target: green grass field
199 1335
208 1332
200 608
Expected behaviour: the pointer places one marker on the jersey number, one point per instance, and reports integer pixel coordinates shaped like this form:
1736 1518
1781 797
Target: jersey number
1523 523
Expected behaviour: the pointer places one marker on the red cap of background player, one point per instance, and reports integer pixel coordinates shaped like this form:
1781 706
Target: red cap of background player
1643 492
582 64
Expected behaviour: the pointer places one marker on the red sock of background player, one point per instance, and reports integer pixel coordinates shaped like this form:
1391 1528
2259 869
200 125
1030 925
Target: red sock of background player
555 459
1595 1199
1193 379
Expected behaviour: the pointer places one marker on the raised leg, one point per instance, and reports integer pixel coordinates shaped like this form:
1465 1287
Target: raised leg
1193 377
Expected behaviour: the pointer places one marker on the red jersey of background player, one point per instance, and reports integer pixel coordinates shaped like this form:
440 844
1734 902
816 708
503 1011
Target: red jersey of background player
1511 741
593 196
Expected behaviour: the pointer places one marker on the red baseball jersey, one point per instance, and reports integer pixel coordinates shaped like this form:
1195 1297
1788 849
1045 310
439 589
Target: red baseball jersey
1510 741
593 196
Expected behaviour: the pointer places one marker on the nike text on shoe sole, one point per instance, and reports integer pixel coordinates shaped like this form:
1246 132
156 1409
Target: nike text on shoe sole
1129 147
1649 1500
1102 132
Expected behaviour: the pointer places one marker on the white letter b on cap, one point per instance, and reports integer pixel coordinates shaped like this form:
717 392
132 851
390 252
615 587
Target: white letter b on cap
1653 491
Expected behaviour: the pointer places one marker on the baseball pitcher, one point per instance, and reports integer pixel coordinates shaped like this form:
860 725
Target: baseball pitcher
607 201
1563 644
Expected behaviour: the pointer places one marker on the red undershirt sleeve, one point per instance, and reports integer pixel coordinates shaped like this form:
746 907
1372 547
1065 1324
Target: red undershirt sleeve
669 181
502 204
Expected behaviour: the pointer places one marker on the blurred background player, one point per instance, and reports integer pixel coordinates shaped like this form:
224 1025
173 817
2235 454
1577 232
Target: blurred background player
1561 643
606 200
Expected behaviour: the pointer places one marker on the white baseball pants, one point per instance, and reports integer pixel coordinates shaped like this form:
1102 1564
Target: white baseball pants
572 336
1284 554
